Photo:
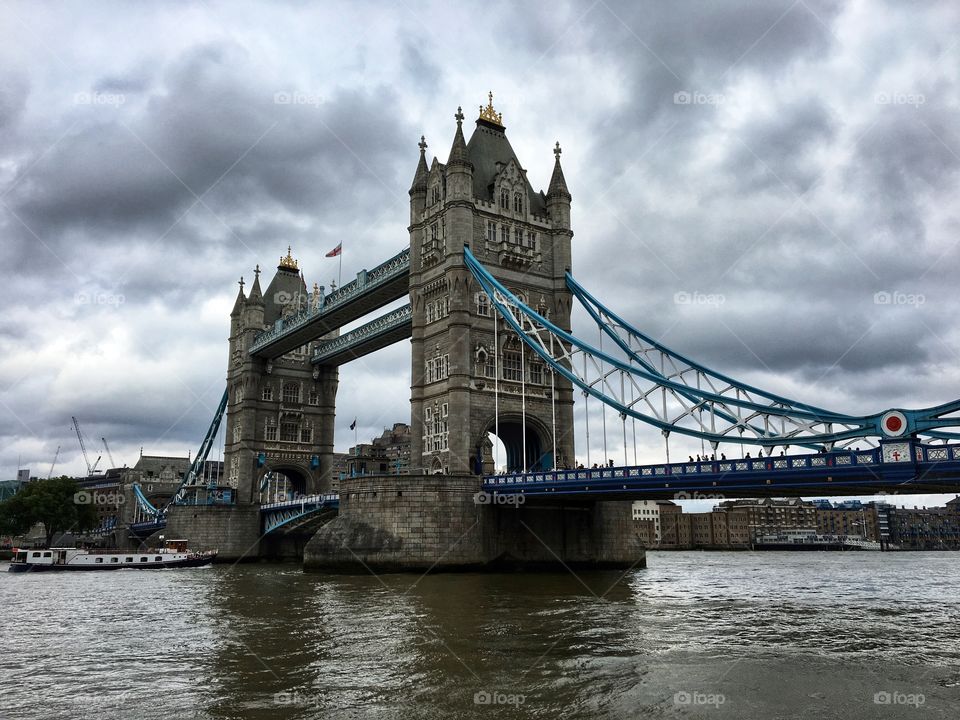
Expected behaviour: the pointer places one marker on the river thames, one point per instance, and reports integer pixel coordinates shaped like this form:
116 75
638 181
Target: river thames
696 634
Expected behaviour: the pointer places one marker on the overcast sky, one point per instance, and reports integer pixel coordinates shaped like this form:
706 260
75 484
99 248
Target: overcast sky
781 162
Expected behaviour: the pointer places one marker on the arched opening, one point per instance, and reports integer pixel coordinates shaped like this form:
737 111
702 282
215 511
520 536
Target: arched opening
282 484
505 451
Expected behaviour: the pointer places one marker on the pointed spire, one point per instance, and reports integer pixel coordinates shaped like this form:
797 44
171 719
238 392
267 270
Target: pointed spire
420 177
458 153
256 296
558 185
241 301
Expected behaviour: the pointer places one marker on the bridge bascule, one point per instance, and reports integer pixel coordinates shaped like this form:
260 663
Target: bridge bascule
488 273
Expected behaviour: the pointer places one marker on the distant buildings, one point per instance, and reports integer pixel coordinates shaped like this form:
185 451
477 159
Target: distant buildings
734 524
388 454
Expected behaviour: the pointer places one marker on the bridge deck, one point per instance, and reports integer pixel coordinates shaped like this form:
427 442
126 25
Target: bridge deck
934 469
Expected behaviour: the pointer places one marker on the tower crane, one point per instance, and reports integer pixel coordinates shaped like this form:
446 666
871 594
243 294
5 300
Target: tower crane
109 454
53 464
91 469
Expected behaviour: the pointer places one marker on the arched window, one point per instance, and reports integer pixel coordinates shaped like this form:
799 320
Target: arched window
518 202
504 198
504 234
291 393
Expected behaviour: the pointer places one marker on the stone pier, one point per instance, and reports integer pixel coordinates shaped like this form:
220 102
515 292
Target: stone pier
434 522
231 529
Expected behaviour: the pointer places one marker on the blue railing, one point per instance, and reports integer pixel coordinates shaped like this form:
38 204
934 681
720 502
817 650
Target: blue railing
386 323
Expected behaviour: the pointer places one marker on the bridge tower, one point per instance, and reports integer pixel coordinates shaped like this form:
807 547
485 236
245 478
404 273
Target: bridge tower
280 413
464 385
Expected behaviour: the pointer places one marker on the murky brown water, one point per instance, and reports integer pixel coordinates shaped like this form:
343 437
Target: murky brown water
713 635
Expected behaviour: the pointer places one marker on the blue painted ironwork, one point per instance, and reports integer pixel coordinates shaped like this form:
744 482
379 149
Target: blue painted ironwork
191 478
401 318
280 514
658 386
922 468
367 281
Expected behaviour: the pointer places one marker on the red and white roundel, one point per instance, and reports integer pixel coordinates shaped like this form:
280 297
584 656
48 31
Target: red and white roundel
894 423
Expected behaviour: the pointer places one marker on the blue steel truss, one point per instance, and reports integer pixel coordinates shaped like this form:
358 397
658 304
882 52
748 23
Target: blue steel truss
193 475
647 381
276 515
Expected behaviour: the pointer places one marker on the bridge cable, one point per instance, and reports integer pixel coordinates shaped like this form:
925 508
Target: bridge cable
523 403
496 392
553 407
603 406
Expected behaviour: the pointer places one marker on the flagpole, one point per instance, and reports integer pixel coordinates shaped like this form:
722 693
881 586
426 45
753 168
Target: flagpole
340 270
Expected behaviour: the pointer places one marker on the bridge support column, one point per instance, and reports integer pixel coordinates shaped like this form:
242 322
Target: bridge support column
231 529
433 522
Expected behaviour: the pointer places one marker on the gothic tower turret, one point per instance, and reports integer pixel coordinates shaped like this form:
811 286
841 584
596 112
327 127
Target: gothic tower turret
482 199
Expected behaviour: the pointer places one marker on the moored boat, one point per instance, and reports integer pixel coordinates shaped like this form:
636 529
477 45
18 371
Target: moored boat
173 555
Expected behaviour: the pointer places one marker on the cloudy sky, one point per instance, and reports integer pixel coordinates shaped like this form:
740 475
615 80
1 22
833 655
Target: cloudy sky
786 163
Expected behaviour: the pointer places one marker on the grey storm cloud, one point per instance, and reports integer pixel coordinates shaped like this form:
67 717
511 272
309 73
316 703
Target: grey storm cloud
772 154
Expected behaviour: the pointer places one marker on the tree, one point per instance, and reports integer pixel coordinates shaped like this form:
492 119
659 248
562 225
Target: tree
56 503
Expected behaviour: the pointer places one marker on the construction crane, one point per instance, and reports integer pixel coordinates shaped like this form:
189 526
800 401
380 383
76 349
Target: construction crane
109 454
91 469
55 456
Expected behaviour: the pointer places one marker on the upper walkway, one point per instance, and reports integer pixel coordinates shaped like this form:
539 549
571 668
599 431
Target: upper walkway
902 467
372 289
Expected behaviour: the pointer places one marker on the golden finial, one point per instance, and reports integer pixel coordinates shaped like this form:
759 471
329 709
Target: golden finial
288 262
489 114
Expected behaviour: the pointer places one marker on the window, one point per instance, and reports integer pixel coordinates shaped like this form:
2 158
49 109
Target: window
504 198
518 203
267 393
536 373
511 366
314 398
289 432
158 558
291 393
504 234
430 317
532 240
236 433
143 559
434 232
270 432
128 559
491 231
436 368
98 560
436 193
517 234
306 435
483 304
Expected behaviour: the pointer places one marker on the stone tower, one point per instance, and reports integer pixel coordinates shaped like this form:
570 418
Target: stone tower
481 198
280 412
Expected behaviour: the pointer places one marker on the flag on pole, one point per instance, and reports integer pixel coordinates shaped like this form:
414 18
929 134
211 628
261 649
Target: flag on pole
353 425
336 251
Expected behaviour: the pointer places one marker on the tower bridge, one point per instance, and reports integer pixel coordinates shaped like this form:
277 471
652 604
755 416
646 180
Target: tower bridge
488 272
